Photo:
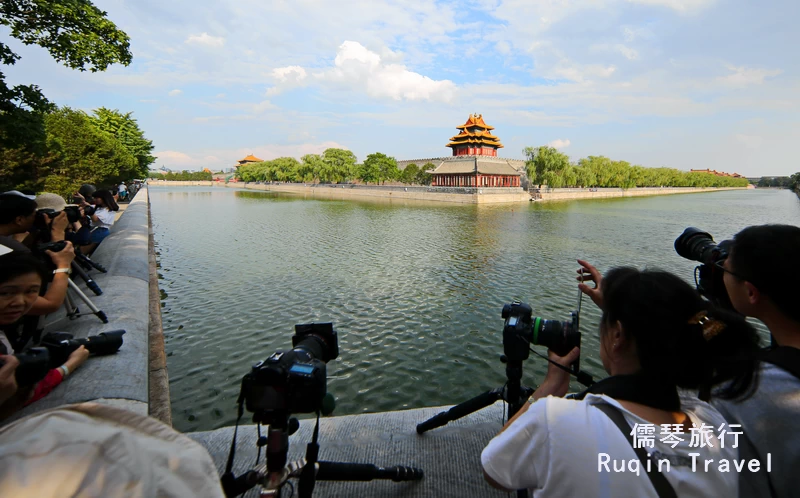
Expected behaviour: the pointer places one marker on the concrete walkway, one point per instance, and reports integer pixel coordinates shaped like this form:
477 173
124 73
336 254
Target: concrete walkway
449 455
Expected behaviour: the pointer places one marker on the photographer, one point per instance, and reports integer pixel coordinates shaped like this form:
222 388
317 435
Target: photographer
770 417
18 216
21 277
103 217
656 335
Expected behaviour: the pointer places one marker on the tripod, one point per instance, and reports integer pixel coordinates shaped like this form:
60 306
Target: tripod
87 262
72 310
513 393
272 475
79 271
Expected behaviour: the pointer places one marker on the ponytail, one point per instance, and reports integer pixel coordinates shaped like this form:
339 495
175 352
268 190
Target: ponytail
680 337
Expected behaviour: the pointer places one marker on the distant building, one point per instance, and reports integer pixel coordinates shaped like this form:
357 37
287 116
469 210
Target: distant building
716 173
249 159
160 171
474 162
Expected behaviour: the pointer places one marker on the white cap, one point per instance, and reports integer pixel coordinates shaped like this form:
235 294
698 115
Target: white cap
17 192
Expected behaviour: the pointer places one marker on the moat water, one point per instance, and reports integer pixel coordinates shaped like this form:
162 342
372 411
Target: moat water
414 289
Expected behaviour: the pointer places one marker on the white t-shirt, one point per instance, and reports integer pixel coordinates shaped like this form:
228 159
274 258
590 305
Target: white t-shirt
105 216
554 449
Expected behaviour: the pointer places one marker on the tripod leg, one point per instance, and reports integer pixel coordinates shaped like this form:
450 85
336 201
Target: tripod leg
339 471
72 311
100 314
461 410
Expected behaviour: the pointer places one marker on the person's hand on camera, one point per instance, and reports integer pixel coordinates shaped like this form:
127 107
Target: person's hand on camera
64 257
588 273
556 382
77 358
58 227
8 380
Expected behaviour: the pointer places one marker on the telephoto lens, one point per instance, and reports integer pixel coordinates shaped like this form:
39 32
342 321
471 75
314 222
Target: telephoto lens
558 337
696 245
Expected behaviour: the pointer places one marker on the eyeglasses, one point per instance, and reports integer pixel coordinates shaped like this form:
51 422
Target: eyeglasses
720 264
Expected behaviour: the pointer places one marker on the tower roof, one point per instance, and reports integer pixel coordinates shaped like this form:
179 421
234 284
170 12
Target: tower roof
475 132
475 120
251 159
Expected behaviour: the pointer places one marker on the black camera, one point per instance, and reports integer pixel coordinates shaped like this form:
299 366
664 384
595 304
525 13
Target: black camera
697 245
293 381
52 246
521 329
61 344
34 364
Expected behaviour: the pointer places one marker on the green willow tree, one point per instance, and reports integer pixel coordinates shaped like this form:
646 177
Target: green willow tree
78 35
546 166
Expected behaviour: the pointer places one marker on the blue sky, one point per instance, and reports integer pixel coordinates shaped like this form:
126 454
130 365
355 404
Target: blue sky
680 83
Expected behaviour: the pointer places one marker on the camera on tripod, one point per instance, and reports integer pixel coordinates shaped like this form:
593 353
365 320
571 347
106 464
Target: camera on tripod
292 381
288 382
34 363
697 245
521 329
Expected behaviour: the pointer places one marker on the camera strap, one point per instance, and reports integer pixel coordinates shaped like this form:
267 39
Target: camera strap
785 357
646 390
657 479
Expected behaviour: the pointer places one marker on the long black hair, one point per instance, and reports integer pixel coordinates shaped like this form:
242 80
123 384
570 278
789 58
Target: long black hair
108 199
656 309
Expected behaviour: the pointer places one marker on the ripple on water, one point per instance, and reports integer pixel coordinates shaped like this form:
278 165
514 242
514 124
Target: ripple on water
415 292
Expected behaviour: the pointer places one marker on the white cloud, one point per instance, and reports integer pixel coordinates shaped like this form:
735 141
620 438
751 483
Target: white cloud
173 158
175 93
628 52
683 6
559 143
220 96
290 74
503 47
355 66
744 76
206 40
580 73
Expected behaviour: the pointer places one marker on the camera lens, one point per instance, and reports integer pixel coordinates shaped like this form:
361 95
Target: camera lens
555 335
696 245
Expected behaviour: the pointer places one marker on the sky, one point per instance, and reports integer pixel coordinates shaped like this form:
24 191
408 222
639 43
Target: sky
679 83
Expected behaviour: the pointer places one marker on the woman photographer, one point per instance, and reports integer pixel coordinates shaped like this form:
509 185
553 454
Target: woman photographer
657 335
21 277
103 217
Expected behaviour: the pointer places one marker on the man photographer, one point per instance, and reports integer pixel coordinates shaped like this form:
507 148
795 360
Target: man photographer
771 417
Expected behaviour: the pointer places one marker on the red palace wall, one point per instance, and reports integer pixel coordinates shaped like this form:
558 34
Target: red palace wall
475 151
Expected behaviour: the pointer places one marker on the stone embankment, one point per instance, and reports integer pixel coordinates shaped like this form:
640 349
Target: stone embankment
461 195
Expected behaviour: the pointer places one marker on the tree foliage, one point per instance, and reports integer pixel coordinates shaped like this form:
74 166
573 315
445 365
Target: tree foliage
547 166
794 182
83 154
126 130
332 166
378 168
78 35
184 176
